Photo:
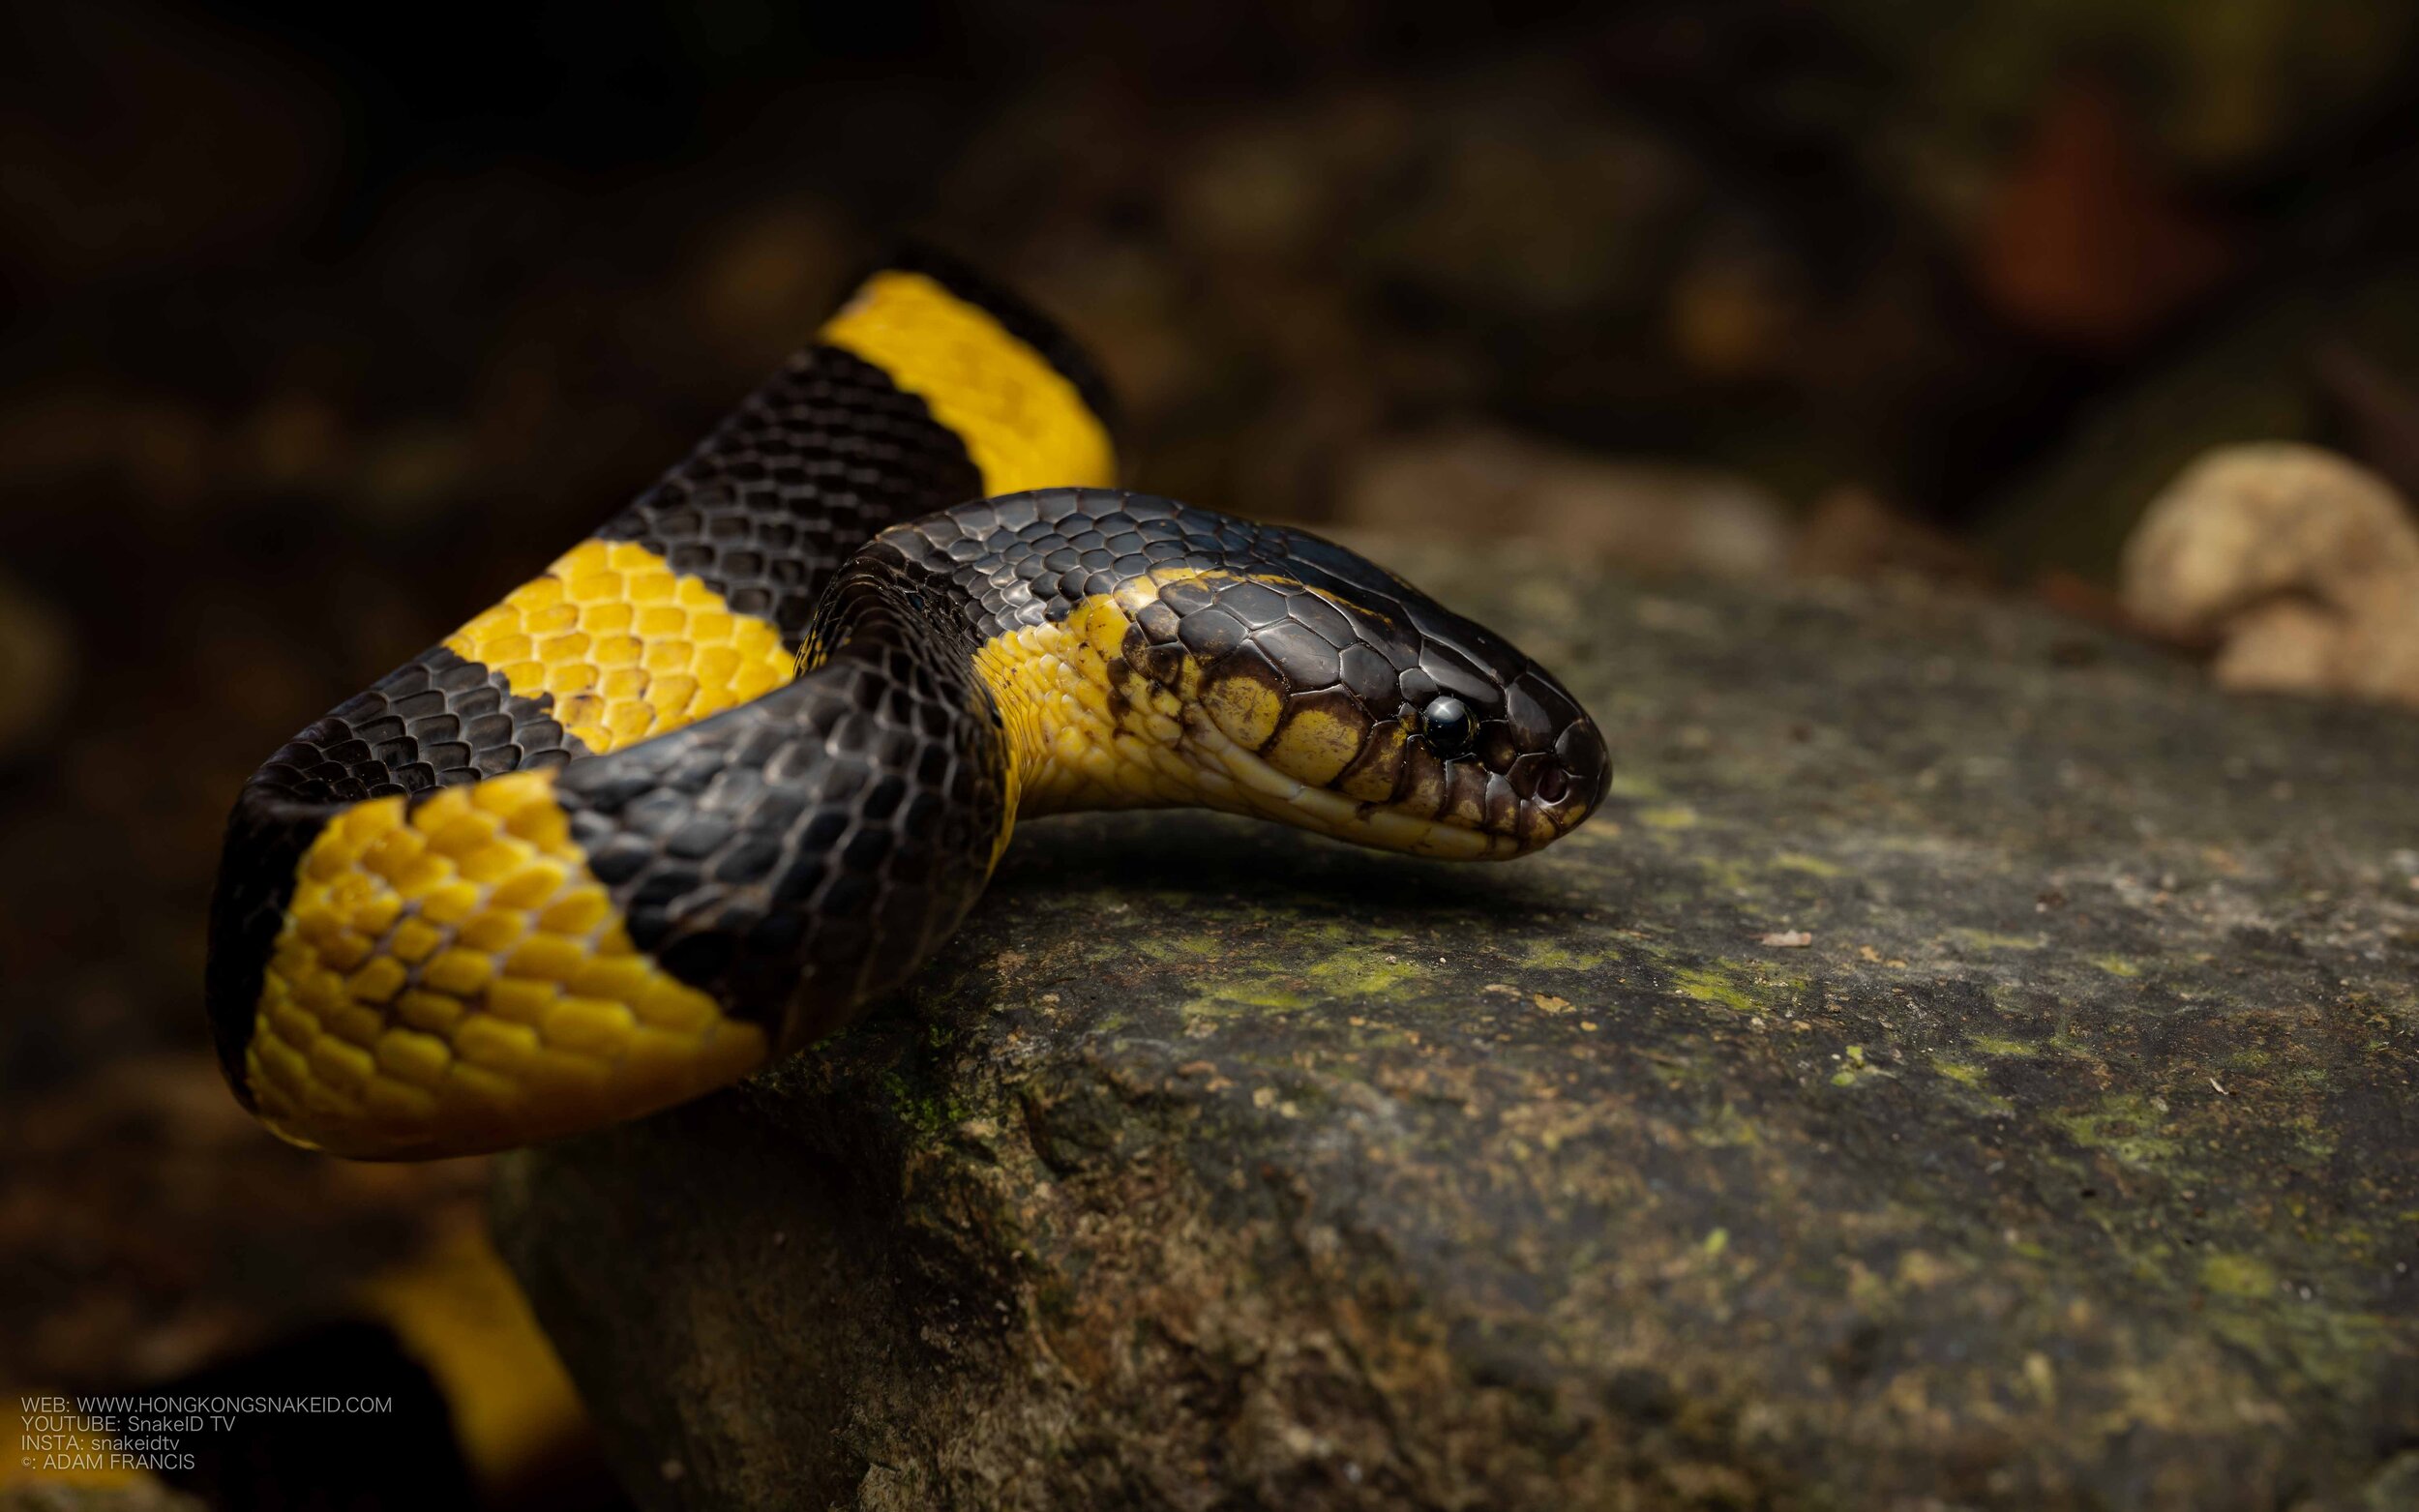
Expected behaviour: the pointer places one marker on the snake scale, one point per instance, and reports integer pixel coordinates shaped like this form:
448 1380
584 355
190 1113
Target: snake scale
734 766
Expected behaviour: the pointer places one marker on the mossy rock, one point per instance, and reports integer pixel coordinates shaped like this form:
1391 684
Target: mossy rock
1214 1165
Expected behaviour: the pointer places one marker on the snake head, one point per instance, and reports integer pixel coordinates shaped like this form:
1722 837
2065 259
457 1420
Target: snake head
1318 689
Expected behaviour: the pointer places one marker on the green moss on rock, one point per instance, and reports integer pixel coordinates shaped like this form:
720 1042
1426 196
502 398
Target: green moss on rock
1214 1165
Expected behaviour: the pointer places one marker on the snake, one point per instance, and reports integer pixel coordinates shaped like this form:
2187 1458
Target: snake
732 768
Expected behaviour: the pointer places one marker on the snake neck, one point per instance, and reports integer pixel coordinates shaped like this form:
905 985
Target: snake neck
1089 712
1083 731
1072 727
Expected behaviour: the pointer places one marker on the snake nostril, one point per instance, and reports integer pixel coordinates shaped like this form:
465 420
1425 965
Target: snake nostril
1553 785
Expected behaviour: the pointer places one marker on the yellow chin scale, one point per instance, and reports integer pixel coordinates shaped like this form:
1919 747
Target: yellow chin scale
451 979
627 647
1023 423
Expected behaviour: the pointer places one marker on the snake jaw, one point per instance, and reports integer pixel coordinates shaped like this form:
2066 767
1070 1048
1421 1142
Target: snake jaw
1245 783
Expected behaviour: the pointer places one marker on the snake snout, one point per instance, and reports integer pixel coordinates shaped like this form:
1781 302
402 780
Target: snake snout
1573 781
1560 772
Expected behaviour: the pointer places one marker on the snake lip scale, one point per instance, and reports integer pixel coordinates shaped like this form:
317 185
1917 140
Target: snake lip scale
734 765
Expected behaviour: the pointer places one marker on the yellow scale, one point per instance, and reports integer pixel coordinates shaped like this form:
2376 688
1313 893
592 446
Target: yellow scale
627 647
453 978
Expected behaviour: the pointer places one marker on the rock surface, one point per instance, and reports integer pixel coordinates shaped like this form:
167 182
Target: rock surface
2071 1163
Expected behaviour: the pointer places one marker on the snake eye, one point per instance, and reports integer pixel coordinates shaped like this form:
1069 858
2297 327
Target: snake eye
1447 726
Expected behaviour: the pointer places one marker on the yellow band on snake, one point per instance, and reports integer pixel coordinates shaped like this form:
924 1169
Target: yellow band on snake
1022 421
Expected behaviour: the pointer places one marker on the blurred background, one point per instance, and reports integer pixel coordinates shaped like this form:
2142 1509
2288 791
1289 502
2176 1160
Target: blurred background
325 326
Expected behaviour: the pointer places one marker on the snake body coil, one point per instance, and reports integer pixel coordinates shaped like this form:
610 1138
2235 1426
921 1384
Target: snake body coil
736 765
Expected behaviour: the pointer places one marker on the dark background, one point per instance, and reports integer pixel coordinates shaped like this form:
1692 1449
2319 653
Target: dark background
325 326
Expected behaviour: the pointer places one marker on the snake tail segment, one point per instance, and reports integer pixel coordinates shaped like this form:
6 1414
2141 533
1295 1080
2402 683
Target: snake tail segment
603 846
738 763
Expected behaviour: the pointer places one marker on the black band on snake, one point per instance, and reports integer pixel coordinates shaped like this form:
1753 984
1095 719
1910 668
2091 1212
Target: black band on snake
734 766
